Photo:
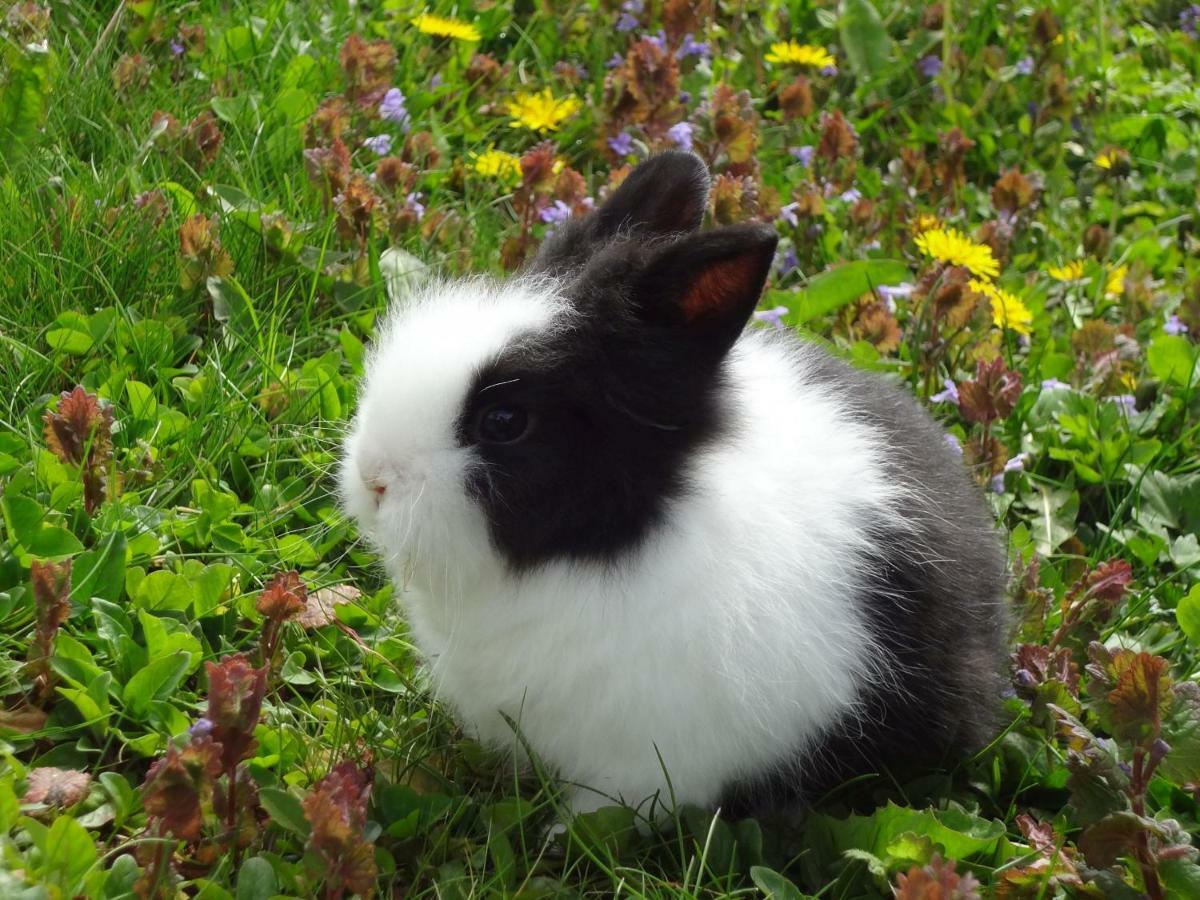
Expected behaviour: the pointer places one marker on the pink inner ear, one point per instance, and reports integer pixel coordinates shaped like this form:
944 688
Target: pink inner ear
717 287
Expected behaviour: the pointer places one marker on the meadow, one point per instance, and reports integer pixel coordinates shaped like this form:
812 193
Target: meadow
205 687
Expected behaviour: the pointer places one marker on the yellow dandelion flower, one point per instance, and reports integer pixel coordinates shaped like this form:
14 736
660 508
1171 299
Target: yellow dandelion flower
439 26
791 53
1108 157
925 222
1008 310
497 164
1068 271
949 245
1114 283
541 111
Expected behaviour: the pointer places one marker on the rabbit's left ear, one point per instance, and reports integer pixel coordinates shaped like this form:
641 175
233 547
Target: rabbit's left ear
706 286
667 194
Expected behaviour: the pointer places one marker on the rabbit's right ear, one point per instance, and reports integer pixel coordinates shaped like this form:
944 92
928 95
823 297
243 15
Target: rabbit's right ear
667 194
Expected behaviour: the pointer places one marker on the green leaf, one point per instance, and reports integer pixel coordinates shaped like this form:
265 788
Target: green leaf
142 404
156 681
68 855
865 40
835 288
256 880
100 572
1188 614
53 542
773 885
232 306
285 809
163 591
1172 358
605 833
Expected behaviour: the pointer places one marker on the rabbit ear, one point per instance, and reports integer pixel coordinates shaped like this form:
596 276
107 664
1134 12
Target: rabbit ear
667 194
707 285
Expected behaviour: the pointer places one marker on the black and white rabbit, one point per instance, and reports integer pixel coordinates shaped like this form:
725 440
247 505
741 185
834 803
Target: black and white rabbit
674 550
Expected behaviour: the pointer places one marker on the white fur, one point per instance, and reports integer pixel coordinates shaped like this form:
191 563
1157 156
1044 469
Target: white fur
723 645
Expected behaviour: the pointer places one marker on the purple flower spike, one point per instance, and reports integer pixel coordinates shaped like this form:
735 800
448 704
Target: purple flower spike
803 154
772 316
1126 402
556 214
626 22
380 144
930 66
680 135
949 395
413 203
393 108
622 144
691 47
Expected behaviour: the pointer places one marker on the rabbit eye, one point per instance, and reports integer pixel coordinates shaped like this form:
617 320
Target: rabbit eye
502 424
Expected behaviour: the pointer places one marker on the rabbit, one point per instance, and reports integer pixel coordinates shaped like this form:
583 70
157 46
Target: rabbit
690 562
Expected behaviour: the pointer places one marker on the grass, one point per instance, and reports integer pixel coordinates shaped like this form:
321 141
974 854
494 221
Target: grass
230 372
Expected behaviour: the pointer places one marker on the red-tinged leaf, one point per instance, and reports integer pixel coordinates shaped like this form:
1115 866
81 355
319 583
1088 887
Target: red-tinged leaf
1108 582
51 593
320 607
1035 665
937 881
56 787
336 808
235 697
284 596
991 395
177 783
1141 698
23 720
80 429
1112 837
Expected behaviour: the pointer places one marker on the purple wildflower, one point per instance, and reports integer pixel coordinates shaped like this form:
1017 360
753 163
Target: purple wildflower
997 484
893 292
1174 326
930 66
392 108
692 47
680 135
949 395
1189 20
1053 384
626 22
829 71
685 97
200 728
851 196
613 61
658 40
804 154
1126 402
436 81
177 48
788 260
556 214
772 316
413 203
380 143
1017 463
1025 65
954 444
622 144
788 214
